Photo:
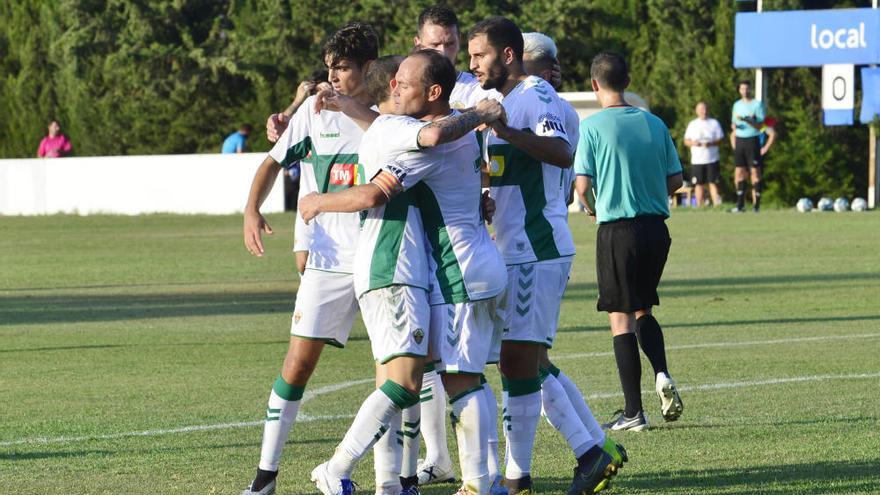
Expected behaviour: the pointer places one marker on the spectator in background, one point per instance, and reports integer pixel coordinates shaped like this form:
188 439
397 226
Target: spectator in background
747 123
55 144
235 142
702 136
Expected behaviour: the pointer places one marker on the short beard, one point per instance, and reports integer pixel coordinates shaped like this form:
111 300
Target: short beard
496 77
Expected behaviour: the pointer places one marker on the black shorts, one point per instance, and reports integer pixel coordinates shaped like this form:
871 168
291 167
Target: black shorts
706 173
748 153
630 256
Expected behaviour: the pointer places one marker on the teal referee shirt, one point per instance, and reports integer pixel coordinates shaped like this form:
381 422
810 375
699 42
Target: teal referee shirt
628 153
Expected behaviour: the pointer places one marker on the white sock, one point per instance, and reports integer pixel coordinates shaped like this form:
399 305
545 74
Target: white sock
284 400
410 432
492 427
560 413
469 411
386 459
524 412
505 421
433 402
369 425
581 408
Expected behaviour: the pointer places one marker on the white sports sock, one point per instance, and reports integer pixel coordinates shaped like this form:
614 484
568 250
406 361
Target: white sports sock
505 420
581 408
280 416
524 412
469 411
560 413
410 432
492 427
369 425
433 402
386 459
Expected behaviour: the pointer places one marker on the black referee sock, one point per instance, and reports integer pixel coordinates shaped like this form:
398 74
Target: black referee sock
651 339
758 187
629 367
741 194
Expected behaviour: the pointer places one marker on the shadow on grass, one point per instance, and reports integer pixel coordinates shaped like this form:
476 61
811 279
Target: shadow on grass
76 308
61 454
733 323
783 479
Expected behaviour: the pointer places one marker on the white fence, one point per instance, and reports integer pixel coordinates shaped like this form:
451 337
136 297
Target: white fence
131 185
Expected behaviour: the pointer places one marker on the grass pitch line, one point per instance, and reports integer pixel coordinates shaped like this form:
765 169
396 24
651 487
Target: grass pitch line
303 418
709 345
755 383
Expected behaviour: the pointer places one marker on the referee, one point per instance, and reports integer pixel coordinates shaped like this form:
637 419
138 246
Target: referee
626 158
747 122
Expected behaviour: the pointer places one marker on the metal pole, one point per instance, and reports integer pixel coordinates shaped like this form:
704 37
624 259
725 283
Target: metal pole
873 176
760 87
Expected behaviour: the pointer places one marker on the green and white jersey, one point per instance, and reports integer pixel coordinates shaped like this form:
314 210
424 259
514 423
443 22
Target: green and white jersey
453 255
467 92
531 222
330 140
391 247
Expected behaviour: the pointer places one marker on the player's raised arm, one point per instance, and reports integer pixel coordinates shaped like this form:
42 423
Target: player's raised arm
379 191
551 150
452 128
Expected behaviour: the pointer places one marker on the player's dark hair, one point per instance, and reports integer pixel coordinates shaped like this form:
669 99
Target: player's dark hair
501 33
440 15
246 128
318 76
438 70
744 81
356 42
379 76
610 70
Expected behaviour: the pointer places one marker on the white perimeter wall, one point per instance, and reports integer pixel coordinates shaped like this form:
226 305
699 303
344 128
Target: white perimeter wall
132 185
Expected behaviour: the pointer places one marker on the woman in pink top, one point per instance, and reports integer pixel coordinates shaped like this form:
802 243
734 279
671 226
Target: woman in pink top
55 145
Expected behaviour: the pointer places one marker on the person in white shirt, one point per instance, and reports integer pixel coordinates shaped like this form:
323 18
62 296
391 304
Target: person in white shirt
702 136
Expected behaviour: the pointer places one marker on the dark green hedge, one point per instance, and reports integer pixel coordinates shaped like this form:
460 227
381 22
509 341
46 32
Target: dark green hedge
144 77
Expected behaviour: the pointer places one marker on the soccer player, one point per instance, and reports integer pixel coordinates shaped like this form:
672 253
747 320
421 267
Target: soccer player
627 155
527 179
746 122
438 29
395 194
325 302
562 403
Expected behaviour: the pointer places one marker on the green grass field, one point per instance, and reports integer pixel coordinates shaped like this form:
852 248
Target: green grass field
137 355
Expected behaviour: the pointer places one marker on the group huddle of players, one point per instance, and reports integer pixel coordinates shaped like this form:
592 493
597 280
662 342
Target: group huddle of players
397 189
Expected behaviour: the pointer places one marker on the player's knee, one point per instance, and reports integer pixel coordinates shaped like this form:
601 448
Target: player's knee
298 370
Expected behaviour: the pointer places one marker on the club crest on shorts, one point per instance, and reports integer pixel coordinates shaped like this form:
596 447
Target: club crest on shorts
418 335
297 316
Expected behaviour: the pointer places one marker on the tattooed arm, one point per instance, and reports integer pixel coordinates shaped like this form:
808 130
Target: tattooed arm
452 128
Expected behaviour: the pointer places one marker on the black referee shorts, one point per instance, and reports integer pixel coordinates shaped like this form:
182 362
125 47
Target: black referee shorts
748 153
630 256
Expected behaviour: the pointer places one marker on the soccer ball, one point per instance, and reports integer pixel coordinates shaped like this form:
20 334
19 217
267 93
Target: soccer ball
804 205
825 204
859 204
841 205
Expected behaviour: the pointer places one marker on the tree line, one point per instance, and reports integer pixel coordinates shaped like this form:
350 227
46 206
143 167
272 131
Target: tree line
176 76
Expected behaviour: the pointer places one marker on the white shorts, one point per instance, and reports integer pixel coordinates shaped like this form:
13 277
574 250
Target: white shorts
467 335
398 320
530 304
325 307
